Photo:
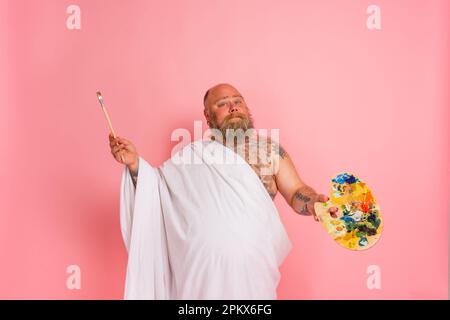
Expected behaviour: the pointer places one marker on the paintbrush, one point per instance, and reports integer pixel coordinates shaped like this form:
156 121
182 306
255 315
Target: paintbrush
100 99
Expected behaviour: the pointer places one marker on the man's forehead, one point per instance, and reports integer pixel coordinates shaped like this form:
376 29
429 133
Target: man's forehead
225 97
223 92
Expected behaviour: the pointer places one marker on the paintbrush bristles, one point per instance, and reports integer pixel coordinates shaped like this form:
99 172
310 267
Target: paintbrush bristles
100 98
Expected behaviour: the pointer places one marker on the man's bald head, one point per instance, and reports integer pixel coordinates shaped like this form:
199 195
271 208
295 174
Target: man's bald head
215 92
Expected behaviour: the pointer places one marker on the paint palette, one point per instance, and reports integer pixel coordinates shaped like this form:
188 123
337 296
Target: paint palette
358 223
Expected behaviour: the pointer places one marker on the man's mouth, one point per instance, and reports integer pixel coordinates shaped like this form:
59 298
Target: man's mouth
230 119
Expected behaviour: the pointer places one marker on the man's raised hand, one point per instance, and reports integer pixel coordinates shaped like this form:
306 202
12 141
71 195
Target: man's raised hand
124 152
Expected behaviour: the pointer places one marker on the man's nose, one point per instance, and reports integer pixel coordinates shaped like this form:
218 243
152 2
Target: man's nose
233 107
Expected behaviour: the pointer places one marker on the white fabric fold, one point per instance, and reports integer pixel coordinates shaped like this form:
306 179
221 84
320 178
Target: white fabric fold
200 229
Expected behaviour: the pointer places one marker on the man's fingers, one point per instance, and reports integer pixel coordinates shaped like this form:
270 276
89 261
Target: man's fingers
312 212
322 198
117 139
315 216
124 141
118 148
333 212
118 155
120 141
333 209
113 141
116 142
114 149
111 137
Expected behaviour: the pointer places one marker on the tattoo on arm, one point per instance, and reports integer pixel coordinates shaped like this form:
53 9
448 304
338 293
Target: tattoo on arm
134 176
301 199
278 149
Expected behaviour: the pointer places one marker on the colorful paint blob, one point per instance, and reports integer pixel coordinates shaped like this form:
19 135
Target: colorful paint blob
358 223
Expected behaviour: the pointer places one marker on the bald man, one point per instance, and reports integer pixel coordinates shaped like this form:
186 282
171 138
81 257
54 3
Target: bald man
210 231
225 108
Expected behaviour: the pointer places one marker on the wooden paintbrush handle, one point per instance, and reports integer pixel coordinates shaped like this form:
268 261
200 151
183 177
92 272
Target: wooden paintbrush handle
111 127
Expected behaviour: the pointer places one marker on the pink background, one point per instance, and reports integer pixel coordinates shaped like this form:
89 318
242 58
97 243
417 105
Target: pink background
345 98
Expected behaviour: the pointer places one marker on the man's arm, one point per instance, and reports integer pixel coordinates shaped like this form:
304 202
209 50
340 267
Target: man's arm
298 195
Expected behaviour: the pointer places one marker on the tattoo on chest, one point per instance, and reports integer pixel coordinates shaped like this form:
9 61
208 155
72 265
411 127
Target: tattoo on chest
268 182
264 166
260 154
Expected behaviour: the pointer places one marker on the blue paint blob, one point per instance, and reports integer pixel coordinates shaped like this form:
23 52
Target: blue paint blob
363 242
347 219
345 178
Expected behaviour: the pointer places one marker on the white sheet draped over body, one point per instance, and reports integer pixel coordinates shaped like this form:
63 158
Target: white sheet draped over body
201 230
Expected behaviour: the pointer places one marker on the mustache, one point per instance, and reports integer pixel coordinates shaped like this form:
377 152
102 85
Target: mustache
239 115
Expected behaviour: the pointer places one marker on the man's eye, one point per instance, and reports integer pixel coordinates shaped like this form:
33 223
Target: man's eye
238 101
221 104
